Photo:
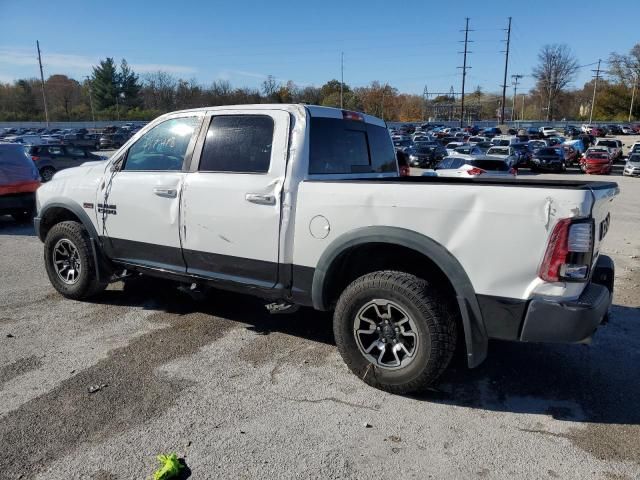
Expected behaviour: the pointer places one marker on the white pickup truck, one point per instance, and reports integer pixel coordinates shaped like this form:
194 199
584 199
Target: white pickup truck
303 205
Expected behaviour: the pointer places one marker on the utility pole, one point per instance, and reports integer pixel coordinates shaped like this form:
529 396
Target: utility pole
464 69
93 115
44 96
522 113
516 79
633 95
595 86
425 99
506 67
341 77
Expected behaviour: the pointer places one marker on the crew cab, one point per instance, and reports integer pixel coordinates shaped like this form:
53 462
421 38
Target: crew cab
303 206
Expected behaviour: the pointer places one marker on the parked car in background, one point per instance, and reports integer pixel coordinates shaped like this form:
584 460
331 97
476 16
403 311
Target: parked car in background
534 133
598 132
50 159
475 139
504 140
536 144
614 145
19 179
596 162
571 131
25 139
614 129
632 167
548 159
523 154
468 150
467 166
491 132
577 144
548 131
451 147
571 155
626 130
112 140
402 144
426 157
507 154
484 146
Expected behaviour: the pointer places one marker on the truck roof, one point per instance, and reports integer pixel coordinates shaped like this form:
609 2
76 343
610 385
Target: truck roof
314 110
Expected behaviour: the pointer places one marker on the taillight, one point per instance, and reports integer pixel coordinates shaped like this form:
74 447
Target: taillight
476 171
35 158
569 252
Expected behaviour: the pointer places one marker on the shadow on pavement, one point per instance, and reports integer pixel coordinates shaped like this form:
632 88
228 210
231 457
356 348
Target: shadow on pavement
8 226
585 383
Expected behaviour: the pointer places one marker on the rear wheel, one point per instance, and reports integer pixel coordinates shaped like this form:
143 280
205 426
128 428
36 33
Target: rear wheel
47 173
69 261
395 331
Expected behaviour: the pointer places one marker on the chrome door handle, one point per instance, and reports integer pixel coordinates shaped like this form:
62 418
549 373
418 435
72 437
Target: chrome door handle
260 199
165 192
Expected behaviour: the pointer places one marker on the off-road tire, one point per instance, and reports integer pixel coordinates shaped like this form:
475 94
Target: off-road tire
87 283
436 317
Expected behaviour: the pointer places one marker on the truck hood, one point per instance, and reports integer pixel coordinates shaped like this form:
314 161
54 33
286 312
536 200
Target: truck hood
87 169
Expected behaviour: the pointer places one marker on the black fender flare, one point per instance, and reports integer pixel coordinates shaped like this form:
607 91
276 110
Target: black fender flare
476 338
102 267
74 208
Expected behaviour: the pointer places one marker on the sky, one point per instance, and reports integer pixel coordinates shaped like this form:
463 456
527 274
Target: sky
407 44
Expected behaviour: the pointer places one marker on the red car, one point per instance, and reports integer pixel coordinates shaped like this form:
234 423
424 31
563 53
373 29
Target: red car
596 163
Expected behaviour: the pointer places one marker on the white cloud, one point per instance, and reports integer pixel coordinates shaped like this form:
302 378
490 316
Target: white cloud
62 62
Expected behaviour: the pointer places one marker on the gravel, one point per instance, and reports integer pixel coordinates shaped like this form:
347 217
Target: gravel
239 393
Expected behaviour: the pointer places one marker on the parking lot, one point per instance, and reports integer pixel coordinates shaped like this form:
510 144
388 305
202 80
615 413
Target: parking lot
239 393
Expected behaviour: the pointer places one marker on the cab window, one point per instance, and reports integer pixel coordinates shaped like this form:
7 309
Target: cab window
164 147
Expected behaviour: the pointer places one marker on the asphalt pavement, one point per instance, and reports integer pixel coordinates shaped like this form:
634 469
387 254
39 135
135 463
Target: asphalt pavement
97 389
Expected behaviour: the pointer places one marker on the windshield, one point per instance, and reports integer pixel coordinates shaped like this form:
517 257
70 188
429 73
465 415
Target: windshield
599 156
498 151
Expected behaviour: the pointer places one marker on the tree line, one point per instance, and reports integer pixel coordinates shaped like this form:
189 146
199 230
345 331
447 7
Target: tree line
115 91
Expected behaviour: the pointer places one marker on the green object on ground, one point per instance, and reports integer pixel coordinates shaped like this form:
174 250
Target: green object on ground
170 467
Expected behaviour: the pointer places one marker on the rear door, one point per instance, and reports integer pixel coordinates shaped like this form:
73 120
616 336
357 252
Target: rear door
231 201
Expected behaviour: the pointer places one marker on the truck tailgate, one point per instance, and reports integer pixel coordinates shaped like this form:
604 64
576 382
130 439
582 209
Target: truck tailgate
600 211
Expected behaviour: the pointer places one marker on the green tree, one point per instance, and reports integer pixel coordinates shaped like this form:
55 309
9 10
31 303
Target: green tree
129 85
105 84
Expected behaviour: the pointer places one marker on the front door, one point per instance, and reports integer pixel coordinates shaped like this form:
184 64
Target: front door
231 202
138 202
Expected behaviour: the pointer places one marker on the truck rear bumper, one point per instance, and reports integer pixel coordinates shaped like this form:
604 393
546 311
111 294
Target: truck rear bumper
571 321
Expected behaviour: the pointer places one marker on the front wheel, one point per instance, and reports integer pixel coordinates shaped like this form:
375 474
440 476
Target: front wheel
69 261
395 331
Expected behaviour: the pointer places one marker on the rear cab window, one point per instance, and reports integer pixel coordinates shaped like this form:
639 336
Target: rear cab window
345 146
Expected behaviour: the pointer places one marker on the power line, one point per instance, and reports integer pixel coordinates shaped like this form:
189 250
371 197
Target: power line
595 86
506 67
464 68
44 96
